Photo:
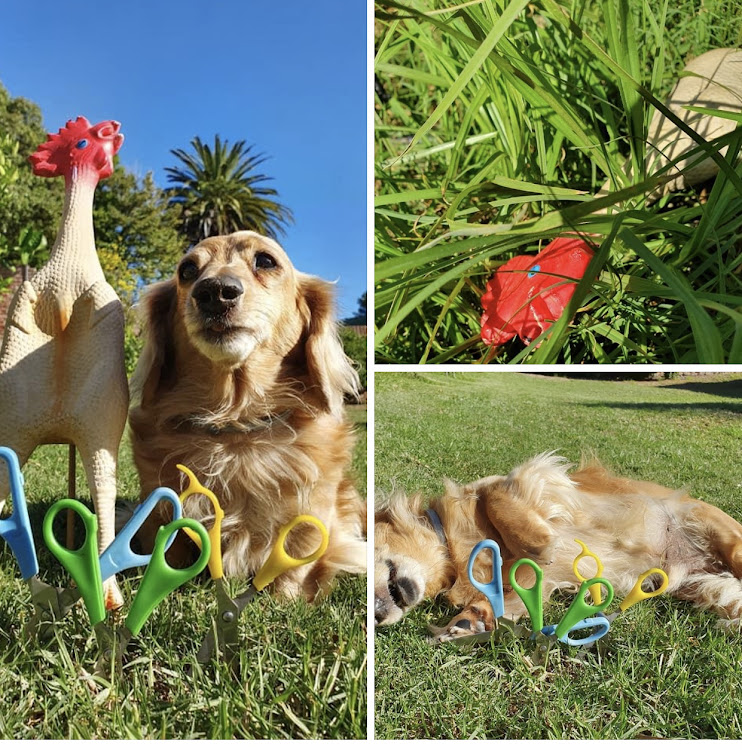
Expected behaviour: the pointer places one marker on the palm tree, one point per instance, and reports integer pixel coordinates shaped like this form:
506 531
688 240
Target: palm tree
218 191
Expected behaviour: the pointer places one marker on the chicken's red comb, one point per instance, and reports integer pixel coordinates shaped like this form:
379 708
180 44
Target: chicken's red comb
52 158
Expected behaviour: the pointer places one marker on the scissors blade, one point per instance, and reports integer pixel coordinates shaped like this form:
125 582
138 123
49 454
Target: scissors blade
105 637
208 646
245 597
505 630
543 644
224 630
112 643
51 604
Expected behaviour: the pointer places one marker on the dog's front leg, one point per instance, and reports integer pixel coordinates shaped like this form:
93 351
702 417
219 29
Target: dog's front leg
521 527
476 615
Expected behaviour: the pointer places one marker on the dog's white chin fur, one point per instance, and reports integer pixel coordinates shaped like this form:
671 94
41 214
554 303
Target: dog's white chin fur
232 350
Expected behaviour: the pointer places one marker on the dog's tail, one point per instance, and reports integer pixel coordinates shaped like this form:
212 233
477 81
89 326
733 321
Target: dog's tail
719 592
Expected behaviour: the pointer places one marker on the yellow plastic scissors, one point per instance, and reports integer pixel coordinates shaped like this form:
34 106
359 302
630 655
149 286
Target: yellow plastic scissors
595 588
225 634
638 594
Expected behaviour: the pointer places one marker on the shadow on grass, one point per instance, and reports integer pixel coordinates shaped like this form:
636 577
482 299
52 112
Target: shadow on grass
652 406
723 389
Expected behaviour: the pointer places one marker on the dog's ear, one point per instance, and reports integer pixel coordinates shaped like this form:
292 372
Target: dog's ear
156 366
329 369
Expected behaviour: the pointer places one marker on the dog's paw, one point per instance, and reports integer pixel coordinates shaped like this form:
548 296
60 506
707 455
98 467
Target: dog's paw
472 621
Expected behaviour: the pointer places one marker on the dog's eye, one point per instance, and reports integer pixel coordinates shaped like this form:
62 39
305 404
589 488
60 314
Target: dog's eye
188 271
263 260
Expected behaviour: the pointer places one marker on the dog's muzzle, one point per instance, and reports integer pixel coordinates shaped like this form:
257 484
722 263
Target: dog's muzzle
392 601
217 294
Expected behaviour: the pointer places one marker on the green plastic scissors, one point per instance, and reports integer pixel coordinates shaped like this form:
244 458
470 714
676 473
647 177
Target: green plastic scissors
224 635
578 617
84 566
532 597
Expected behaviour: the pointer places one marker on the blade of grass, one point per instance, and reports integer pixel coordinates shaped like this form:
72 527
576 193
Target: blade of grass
705 334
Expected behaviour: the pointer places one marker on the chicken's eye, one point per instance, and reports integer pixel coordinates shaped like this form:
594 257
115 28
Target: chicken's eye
82 143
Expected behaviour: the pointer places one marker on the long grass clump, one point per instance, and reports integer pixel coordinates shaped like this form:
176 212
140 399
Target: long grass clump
497 123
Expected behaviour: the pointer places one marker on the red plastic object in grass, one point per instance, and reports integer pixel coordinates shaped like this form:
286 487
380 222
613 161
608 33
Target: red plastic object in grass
527 294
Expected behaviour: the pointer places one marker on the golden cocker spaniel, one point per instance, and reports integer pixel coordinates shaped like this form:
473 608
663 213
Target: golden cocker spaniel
537 511
242 379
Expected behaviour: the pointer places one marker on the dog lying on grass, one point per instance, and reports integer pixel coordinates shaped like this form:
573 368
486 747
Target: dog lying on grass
242 380
537 511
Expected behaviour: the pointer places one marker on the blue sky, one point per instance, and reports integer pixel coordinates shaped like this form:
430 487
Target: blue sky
288 76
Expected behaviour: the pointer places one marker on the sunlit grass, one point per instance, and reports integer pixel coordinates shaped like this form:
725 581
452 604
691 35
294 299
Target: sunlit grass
302 671
664 670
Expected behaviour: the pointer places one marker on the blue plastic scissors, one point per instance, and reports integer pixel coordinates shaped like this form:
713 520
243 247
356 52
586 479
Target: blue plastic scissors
50 602
88 570
16 529
493 589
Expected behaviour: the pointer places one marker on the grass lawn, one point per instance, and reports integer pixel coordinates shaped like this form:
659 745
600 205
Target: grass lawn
302 671
664 670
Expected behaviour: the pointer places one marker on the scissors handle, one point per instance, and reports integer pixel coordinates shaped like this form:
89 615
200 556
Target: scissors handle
119 555
159 578
82 564
595 590
215 532
532 598
637 594
601 625
16 529
493 590
279 561
580 609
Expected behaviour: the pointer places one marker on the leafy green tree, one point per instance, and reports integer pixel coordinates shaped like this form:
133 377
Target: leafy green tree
355 347
29 245
135 232
360 316
8 168
219 191
31 249
26 202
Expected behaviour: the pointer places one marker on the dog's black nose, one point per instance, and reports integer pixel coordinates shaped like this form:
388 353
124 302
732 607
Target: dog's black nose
217 293
381 610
